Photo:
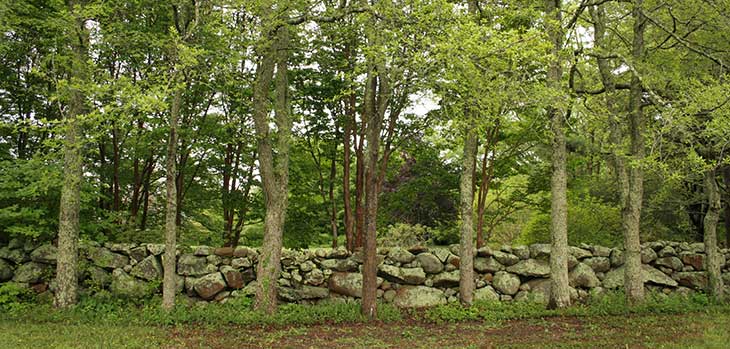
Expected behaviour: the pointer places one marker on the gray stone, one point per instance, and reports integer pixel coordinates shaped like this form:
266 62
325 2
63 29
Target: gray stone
125 285
539 290
531 267
430 263
600 251
485 251
389 295
98 277
667 251
598 264
615 277
243 251
138 253
412 276
400 255
506 259
303 293
441 253
617 258
339 253
32 272
696 260
583 276
670 262
418 297
148 269
648 255
307 266
348 284
579 253
191 265
446 279
541 251
214 260
487 265
348 264
486 294
506 283
16 256
44 254
314 277
234 278
243 262
697 247
694 279
107 259
572 262
209 285
202 250
6 270
521 251
156 249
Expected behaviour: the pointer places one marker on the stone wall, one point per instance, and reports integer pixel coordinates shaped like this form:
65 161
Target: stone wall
413 277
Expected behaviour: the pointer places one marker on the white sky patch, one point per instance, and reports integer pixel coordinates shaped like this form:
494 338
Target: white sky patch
422 103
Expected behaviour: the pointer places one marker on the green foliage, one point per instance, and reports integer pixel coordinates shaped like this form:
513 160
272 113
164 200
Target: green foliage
403 235
14 296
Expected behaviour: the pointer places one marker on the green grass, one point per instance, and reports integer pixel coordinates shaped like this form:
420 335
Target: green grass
661 322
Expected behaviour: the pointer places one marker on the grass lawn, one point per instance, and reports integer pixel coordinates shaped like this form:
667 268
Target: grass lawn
690 330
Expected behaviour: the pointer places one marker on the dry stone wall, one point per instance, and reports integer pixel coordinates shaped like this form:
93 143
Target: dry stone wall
407 277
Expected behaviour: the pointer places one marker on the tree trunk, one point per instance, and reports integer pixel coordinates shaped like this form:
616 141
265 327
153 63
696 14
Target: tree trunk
333 203
275 177
714 276
68 220
560 289
346 196
726 179
466 248
487 173
169 282
633 279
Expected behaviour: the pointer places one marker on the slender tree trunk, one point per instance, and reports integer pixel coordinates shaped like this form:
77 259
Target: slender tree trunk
466 248
714 276
726 180
169 282
275 177
346 196
116 190
633 278
150 164
333 203
359 190
487 173
560 289
68 220
377 97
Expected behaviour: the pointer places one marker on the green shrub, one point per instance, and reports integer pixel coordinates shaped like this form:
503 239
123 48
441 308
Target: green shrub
403 235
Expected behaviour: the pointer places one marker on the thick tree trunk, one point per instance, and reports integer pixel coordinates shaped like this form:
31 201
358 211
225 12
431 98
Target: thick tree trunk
714 277
275 177
466 248
560 289
633 278
169 282
68 220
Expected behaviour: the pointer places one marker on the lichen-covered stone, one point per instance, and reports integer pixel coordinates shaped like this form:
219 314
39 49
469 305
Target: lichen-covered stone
6 270
400 255
531 267
617 258
107 259
506 283
487 265
579 253
540 251
648 255
583 276
191 265
694 279
506 259
16 256
696 260
430 263
44 254
486 293
348 284
521 251
670 262
446 279
598 264
148 269
412 276
32 272
209 285
418 297
125 285
234 278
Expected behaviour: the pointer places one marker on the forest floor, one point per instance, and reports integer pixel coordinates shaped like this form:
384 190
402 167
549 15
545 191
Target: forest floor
690 330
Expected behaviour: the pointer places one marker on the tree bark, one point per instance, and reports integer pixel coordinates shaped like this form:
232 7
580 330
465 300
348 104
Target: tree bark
714 277
68 220
487 173
466 248
633 279
169 282
726 180
275 177
560 289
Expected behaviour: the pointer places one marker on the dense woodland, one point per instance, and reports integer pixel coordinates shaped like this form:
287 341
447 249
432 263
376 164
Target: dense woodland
297 123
